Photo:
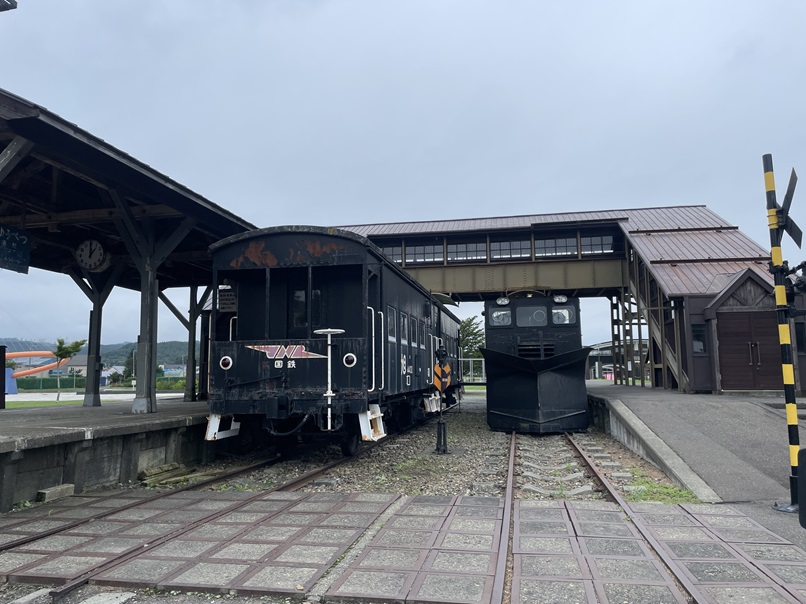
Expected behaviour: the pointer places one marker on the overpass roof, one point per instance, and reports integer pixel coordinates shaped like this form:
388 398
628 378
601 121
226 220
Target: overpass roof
689 250
640 219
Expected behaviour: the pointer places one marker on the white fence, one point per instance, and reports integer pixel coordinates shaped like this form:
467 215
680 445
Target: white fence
473 370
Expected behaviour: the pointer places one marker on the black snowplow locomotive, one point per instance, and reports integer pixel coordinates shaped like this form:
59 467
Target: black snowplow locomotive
535 365
316 332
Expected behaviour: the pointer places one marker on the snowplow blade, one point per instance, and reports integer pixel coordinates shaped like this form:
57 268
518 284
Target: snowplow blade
536 396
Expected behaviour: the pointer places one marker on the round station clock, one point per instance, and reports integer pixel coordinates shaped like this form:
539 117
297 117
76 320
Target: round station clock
91 256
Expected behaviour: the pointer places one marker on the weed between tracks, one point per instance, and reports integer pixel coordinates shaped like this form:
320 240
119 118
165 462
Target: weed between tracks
657 491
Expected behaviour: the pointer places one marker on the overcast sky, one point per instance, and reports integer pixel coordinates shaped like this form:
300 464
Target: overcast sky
347 112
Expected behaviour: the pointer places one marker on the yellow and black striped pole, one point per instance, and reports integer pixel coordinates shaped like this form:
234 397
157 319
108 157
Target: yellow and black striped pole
779 271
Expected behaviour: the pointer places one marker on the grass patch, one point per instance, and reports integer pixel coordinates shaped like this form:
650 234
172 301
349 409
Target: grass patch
470 388
662 493
32 404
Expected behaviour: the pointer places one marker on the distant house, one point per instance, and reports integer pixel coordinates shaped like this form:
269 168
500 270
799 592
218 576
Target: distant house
76 365
109 372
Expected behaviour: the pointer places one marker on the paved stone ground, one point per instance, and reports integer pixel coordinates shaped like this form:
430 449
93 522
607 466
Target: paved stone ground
379 547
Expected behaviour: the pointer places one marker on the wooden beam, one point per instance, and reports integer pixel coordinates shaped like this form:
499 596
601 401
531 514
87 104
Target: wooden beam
84 217
13 154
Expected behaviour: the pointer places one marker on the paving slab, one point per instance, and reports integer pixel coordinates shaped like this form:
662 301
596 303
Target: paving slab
431 549
617 593
377 586
553 591
453 589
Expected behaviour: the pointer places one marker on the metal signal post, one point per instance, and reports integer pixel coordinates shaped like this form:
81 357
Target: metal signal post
779 221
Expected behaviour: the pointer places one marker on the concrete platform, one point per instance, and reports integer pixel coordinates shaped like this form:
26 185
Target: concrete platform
735 446
94 446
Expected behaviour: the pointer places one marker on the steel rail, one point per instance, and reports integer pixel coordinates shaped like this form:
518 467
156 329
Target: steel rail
135 551
292 485
136 502
503 544
666 558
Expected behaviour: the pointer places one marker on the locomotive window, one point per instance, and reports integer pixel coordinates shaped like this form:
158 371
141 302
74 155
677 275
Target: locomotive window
391 323
531 316
413 331
404 327
510 249
500 317
563 315
422 335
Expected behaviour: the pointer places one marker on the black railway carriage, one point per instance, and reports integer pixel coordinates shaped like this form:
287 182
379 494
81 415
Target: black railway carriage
535 364
318 333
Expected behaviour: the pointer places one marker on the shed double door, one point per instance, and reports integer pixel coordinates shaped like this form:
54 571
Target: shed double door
749 351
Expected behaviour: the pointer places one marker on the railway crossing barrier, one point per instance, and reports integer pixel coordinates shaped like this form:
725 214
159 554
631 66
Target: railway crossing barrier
779 222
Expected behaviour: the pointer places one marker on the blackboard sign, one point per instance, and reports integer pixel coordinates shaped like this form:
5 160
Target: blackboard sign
15 249
226 301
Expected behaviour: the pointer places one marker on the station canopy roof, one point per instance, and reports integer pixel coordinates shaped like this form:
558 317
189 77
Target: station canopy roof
58 194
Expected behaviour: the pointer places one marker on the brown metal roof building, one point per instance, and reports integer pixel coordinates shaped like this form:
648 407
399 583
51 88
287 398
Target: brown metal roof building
682 278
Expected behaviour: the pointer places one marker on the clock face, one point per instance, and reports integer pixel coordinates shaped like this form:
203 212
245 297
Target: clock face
90 255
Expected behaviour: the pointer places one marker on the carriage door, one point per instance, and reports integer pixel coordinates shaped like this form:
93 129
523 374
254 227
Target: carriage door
749 351
405 353
376 332
392 355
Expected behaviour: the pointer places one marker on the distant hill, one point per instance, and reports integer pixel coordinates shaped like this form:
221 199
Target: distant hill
168 353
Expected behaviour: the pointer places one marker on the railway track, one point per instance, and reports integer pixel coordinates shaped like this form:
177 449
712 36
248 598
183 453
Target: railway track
543 484
296 482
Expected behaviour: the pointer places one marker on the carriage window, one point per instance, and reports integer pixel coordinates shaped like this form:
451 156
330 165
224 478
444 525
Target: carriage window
404 327
298 311
391 323
563 315
531 316
316 307
500 317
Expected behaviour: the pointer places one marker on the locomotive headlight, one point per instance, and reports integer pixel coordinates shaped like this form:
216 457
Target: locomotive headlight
560 299
225 363
502 301
349 360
